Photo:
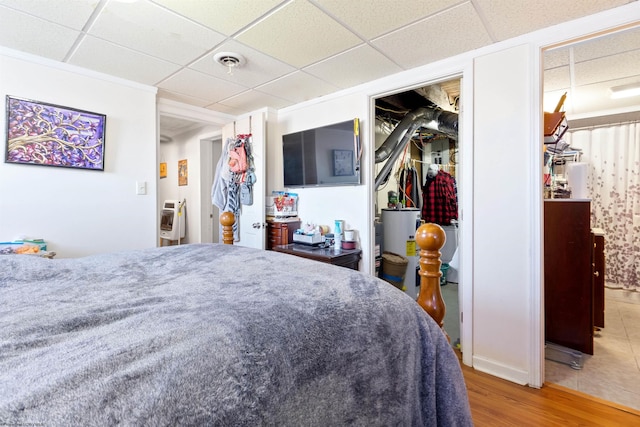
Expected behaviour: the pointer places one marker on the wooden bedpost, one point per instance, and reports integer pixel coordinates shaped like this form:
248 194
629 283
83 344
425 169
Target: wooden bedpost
431 238
227 219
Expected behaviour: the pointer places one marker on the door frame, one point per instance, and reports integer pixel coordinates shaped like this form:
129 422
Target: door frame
465 193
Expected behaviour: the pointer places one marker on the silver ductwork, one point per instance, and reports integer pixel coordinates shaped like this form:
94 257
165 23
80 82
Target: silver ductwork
441 121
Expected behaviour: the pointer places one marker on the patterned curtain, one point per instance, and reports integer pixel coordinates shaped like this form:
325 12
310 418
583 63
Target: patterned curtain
613 155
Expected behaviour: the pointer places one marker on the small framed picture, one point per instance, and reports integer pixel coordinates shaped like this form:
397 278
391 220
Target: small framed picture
45 134
183 173
343 162
163 170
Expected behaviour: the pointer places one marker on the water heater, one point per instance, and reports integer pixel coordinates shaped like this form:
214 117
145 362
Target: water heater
172 220
399 236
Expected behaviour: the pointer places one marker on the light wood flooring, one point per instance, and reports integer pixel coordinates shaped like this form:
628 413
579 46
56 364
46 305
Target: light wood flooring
496 402
606 392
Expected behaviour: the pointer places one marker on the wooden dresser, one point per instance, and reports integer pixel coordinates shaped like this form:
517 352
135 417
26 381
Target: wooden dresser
349 258
280 232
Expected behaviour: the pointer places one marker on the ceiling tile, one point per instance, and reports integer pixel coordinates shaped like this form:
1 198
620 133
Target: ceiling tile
150 29
608 68
297 87
199 85
221 108
435 38
191 100
299 34
253 100
224 16
556 58
557 78
353 67
372 19
258 69
55 45
607 45
118 61
509 18
74 14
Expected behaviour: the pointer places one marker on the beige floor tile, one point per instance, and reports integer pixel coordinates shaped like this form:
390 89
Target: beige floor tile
606 391
635 346
613 372
607 342
614 369
561 374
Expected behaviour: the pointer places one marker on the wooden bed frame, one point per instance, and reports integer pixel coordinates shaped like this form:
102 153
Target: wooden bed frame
430 237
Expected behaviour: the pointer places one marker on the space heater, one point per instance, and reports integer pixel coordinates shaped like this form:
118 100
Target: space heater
172 221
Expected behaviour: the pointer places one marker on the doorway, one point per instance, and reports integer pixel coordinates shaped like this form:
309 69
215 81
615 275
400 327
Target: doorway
403 180
583 71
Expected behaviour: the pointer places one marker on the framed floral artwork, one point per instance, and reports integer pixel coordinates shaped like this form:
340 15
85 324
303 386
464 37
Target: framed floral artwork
45 134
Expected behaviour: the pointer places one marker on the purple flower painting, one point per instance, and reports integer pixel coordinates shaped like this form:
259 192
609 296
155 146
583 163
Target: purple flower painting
51 135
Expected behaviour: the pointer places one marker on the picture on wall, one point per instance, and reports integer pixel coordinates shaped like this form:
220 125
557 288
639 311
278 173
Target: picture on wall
183 173
343 162
163 170
45 134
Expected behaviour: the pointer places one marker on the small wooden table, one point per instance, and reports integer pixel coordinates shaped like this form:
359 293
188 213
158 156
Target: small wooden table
349 258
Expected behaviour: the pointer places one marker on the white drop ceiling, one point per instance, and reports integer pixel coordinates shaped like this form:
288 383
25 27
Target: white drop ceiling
296 50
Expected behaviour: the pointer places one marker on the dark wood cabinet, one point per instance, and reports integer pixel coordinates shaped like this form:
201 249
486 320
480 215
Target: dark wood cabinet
349 258
568 272
280 232
598 262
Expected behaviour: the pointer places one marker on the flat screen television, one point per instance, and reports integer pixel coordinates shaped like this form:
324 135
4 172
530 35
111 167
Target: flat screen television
323 156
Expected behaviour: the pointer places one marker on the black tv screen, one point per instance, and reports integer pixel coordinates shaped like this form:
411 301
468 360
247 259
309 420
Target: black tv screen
323 156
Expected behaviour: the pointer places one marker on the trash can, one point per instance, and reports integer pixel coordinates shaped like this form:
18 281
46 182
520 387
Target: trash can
394 269
443 269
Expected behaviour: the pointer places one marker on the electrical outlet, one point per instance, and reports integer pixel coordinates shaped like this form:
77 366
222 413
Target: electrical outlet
141 187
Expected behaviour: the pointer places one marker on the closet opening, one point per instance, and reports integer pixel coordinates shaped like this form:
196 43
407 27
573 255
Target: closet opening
416 165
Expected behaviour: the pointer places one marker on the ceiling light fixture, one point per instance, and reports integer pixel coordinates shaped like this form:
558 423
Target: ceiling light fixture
230 60
625 91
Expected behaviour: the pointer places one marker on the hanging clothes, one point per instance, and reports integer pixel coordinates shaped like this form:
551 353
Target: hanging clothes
409 193
440 199
232 183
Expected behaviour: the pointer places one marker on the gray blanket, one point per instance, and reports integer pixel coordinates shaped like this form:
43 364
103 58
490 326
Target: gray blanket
217 335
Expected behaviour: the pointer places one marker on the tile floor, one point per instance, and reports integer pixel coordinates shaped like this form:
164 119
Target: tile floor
613 372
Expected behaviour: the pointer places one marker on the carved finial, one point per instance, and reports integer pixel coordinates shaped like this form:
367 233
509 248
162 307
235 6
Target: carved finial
431 238
227 219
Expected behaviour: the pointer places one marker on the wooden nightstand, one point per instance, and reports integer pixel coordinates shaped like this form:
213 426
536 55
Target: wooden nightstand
349 258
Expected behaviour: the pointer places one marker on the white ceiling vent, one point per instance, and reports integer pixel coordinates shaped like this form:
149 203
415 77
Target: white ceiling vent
230 60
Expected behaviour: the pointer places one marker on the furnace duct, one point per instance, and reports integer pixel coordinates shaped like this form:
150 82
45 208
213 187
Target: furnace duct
441 121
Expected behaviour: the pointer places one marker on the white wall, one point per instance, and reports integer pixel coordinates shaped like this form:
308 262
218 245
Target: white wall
323 205
503 187
82 212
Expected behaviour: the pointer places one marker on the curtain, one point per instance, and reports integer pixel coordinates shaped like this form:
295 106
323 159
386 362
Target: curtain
613 156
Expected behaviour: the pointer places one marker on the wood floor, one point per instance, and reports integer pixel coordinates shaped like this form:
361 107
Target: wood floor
496 402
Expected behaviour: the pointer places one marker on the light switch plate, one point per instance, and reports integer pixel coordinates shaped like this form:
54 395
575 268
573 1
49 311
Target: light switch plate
141 187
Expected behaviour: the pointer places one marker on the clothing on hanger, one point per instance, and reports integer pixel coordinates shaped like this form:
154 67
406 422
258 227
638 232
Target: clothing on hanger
409 193
440 199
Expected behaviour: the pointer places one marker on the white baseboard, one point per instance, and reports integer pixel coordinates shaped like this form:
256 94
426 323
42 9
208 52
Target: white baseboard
508 373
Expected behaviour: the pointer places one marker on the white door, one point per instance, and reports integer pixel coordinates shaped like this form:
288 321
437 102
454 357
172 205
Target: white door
252 218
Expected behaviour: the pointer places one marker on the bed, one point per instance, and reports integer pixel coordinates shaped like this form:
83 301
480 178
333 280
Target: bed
219 335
